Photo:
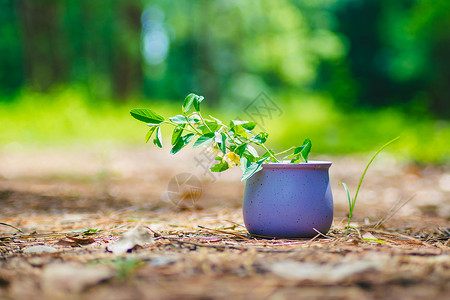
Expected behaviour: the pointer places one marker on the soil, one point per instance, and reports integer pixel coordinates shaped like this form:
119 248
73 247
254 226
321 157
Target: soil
61 210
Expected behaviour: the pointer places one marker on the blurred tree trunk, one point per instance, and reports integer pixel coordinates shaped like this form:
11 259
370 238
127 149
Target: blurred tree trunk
439 88
44 46
96 42
127 75
209 78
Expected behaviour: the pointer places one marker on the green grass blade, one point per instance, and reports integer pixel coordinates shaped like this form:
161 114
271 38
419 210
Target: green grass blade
367 167
348 195
351 203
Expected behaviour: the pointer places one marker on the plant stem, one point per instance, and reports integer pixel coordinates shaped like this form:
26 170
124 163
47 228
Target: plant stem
226 133
192 126
176 125
268 151
203 121
282 152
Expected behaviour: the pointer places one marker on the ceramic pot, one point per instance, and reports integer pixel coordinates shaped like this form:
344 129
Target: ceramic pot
289 200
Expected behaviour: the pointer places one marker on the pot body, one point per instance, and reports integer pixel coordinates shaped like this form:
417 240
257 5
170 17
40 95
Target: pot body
289 200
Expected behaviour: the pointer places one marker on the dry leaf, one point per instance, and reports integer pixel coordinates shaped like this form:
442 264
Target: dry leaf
81 241
369 236
130 239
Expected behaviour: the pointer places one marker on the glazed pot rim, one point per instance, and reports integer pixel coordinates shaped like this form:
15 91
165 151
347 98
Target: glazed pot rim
311 164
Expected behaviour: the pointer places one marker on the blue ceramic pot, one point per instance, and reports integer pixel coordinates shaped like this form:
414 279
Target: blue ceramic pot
289 200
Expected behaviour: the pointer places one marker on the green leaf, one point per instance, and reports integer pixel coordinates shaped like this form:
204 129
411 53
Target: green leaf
247 155
250 153
220 167
239 150
217 120
249 125
188 102
236 122
204 139
197 102
239 130
260 138
249 168
306 149
182 142
158 139
231 144
212 126
220 139
149 133
301 153
180 119
245 124
177 133
192 99
146 115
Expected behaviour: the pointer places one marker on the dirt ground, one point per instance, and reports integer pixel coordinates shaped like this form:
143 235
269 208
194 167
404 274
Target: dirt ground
64 212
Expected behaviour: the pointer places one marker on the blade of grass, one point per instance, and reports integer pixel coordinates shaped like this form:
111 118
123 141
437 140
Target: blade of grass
350 206
353 202
368 165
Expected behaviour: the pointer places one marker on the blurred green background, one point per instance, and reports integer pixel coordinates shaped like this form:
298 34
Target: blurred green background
349 74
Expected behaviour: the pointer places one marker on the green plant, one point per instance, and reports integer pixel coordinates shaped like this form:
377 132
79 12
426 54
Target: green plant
125 267
231 144
351 203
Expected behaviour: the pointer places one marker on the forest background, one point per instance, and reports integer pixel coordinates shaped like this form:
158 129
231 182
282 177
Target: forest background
349 74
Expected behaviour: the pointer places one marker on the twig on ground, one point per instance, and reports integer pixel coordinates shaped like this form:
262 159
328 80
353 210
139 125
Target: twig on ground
226 232
418 241
9 225
155 234
320 233
229 246
311 240
259 249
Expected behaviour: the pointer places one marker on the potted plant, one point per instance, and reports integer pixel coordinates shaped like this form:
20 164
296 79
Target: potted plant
286 195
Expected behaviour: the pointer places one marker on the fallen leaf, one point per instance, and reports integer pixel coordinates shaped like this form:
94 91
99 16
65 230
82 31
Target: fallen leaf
130 239
67 243
81 241
368 236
